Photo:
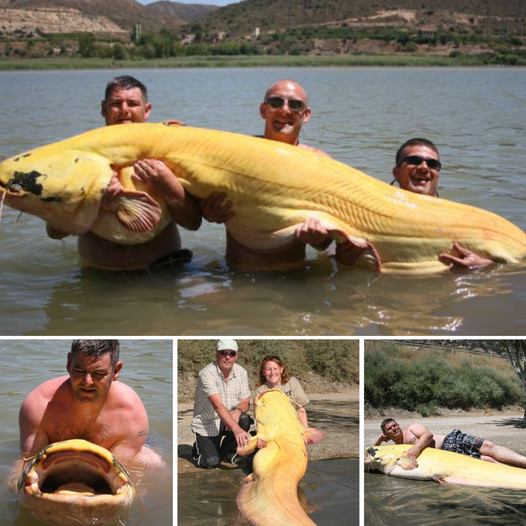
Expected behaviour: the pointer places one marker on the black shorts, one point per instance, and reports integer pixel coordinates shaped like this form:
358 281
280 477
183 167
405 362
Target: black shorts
463 443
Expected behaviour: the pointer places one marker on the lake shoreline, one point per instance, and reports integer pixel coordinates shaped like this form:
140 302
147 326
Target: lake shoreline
380 60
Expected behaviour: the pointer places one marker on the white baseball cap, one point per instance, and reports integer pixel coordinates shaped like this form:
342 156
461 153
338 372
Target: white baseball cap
227 345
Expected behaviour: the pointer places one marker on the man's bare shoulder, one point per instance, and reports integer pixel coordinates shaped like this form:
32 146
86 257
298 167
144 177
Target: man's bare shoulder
47 390
312 149
124 395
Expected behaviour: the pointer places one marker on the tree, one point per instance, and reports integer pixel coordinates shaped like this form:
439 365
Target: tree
516 352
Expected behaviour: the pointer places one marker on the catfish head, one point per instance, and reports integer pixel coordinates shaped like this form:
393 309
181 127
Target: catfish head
64 187
379 459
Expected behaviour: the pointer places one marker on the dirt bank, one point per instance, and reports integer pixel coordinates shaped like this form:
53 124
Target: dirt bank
336 414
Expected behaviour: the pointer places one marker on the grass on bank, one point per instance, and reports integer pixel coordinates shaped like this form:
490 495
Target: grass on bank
319 365
398 60
427 380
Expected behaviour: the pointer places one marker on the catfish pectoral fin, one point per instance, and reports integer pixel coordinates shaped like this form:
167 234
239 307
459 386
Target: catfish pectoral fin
137 211
251 446
313 435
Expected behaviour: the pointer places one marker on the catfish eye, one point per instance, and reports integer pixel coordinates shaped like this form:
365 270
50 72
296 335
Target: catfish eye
14 187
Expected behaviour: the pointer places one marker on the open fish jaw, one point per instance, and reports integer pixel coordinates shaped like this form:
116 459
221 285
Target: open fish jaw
75 483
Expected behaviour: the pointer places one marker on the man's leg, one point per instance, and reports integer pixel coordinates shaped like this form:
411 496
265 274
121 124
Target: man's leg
206 451
502 454
229 445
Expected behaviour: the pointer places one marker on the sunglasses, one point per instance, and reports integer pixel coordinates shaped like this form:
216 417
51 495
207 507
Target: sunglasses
277 102
232 354
416 160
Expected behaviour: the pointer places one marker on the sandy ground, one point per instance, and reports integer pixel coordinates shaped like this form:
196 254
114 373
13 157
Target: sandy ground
506 428
336 414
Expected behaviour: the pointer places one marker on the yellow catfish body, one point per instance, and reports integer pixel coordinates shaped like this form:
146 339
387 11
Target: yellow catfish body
270 496
274 188
444 467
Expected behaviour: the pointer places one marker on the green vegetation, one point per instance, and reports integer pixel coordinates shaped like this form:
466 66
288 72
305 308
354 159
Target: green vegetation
242 61
435 379
320 365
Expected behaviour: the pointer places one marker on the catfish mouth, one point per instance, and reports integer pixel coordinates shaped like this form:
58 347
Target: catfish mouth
78 475
73 469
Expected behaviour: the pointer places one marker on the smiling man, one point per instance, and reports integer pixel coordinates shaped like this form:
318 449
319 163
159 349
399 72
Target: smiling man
285 110
126 102
222 399
418 167
90 404
420 437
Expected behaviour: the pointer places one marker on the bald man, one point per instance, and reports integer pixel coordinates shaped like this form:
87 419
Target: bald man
285 110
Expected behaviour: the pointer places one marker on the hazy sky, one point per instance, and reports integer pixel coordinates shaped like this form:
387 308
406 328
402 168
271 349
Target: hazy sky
207 2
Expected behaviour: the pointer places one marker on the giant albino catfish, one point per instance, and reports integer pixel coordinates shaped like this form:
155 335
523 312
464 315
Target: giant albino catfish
270 496
274 187
444 467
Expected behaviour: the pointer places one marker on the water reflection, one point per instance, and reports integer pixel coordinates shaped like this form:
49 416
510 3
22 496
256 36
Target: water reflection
329 491
390 500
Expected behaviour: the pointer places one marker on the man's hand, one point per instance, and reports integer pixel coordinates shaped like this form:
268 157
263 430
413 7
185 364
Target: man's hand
158 176
242 437
216 208
312 233
462 257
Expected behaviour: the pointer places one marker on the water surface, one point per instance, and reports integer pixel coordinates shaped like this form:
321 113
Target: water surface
329 491
477 117
394 501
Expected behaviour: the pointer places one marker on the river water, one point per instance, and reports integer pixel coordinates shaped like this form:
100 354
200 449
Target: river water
329 492
393 501
477 117
24 364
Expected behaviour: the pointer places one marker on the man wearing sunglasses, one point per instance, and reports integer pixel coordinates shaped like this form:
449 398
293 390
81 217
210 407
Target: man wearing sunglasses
222 400
285 110
418 170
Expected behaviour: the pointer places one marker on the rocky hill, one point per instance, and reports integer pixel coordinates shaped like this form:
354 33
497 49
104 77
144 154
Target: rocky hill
99 17
186 12
274 15
494 29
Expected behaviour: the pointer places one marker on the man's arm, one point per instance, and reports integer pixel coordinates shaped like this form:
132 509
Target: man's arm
380 440
423 436
183 207
231 419
32 437
130 424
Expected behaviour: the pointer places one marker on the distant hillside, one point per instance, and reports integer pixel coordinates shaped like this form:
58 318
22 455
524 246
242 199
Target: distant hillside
186 12
492 31
123 13
275 15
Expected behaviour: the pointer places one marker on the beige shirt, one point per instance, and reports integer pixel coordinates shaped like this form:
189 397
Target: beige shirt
292 389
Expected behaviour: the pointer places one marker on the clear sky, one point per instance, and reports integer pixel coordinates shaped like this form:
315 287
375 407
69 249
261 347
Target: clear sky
206 2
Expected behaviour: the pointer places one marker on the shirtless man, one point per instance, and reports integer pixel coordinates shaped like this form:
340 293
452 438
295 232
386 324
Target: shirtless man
420 437
90 404
285 110
126 101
